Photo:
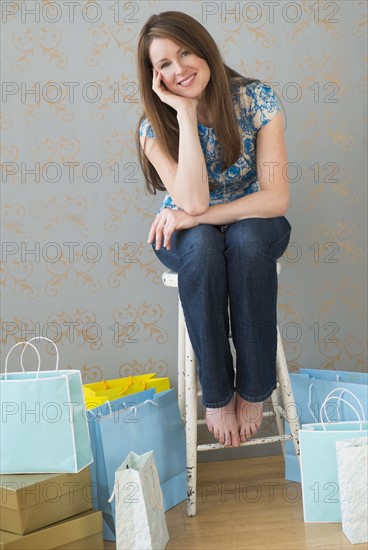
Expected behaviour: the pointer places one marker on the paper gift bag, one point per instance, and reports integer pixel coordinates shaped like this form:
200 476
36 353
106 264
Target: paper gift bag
310 388
154 424
320 487
352 467
43 423
101 490
139 513
106 390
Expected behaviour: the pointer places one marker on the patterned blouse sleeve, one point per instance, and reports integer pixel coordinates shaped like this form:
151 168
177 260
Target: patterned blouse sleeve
145 129
264 105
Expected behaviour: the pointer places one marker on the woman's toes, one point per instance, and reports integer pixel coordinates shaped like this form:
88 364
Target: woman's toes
235 440
222 438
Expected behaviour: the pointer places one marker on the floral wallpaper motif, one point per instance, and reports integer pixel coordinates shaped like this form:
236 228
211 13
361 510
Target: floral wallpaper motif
46 42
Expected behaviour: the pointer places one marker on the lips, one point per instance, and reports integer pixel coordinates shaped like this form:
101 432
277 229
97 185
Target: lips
187 81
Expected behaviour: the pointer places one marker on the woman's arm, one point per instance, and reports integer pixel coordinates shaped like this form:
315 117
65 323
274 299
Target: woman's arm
270 202
187 180
272 199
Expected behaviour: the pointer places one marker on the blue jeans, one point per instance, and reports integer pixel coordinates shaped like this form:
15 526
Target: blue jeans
232 267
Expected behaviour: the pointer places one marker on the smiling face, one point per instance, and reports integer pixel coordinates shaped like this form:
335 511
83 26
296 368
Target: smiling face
184 73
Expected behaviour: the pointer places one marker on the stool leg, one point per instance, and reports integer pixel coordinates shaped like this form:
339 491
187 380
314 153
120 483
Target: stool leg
276 399
288 400
181 361
191 425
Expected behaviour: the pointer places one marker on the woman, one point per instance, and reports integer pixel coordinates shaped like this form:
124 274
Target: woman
214 141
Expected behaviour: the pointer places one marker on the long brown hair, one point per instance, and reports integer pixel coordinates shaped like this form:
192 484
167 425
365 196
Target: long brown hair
189 34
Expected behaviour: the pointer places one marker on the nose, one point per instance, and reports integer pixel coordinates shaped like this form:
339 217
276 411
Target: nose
179 67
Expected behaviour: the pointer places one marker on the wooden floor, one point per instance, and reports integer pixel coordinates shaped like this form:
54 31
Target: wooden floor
248 504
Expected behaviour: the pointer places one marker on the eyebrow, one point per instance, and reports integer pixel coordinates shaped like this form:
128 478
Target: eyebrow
164 58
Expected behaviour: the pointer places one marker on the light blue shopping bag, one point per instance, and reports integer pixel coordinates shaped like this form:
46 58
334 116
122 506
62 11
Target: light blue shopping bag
310 388
318 462
152 425
99 479
43 426
350 377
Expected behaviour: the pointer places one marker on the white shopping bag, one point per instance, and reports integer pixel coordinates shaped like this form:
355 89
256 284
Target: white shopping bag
139 512
352 466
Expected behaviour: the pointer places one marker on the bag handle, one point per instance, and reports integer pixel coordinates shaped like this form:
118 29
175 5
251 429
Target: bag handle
98 415
125 407
339 398
21 357
311 386
123 389
47 340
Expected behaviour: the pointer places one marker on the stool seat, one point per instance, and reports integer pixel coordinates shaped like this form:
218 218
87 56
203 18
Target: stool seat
282 400
170 278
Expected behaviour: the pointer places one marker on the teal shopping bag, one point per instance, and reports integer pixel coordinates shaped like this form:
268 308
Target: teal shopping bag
318 463
43 424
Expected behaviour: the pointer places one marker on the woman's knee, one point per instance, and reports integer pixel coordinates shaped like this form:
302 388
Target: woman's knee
256 237
203 243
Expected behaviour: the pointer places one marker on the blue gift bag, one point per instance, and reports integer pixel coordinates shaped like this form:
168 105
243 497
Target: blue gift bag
43 426
152 424
310 388
337 375
99 479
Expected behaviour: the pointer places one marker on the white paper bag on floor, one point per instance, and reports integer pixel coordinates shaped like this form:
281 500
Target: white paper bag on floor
139 512
352 466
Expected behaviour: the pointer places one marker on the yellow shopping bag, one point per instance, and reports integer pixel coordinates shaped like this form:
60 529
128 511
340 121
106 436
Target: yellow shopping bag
107 390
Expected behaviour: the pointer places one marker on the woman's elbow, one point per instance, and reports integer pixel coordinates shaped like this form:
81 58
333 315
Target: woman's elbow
284 205
196 209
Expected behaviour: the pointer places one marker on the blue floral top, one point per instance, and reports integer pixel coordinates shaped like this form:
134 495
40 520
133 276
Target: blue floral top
255 105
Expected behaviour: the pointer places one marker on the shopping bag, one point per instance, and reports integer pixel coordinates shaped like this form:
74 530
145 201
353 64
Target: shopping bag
318 464
352 468
310 388
99 481
43 421
139 512
98 393
154 424
337 375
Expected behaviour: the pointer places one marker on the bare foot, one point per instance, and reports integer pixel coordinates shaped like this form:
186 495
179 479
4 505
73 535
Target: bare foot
222 423
249 417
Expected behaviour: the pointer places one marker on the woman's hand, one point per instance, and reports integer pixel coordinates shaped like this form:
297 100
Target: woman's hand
177 102
168 221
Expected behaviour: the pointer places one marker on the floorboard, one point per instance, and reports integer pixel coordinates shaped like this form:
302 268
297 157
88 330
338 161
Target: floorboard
247 504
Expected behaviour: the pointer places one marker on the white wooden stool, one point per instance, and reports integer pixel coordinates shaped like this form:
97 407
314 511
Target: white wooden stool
282 401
